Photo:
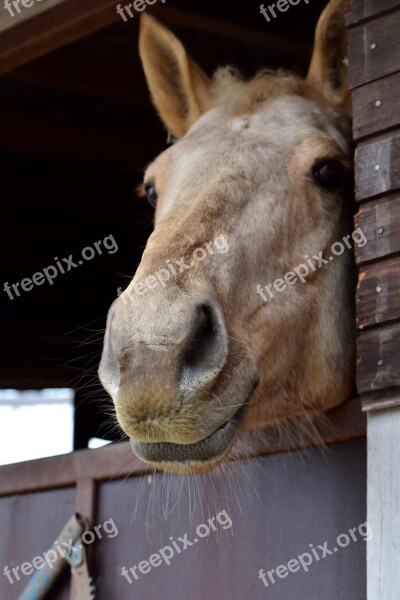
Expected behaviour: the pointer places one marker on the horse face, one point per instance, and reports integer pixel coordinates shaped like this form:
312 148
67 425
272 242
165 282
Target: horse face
236 317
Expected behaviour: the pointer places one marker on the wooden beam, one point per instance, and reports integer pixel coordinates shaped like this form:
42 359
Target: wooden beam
36 33
10 18
117 461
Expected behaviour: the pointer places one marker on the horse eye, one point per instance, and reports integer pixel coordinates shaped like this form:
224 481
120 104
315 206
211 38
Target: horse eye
329 174
151 193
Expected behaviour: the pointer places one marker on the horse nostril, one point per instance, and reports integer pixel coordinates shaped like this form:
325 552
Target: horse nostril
205 354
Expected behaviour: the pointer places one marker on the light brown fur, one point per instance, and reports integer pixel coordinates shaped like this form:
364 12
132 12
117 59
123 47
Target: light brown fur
242 169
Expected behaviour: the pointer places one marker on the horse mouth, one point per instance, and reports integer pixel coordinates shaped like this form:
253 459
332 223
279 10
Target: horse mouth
207 450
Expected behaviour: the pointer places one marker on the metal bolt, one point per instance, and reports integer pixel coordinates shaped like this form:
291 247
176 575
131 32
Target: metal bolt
373 46
377 167
378 103
378 288
380 230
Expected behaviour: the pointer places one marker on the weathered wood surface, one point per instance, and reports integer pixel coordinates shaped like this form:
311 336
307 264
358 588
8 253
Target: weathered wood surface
378 362
381 399
359 11
376 107
9 20
38 34
378 293
374 49
377 168
374 74
380 223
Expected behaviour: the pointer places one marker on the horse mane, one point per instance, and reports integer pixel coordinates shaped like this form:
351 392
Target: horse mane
242 96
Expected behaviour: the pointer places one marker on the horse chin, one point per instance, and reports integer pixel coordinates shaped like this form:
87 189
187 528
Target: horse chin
193 458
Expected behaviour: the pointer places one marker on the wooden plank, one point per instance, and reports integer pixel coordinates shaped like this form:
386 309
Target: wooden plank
380 222
57 26
376 106
378 293
362 10
377 168
374 49
383 501
114 461
117 461
381 399
378 362
12 18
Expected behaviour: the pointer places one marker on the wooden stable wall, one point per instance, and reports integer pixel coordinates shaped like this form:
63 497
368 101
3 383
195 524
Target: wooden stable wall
374 70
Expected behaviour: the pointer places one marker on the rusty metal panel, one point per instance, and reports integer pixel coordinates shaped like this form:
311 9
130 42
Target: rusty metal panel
278 505
29 524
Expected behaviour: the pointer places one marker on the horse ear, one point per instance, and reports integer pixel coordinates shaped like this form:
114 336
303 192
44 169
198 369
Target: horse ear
180 89
328 67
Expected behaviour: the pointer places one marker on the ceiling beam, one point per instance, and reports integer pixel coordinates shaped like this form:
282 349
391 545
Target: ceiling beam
35 33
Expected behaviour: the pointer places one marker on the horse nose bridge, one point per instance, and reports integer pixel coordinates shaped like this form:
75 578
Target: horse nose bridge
148 378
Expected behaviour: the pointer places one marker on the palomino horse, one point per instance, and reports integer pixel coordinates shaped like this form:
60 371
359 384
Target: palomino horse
196 353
